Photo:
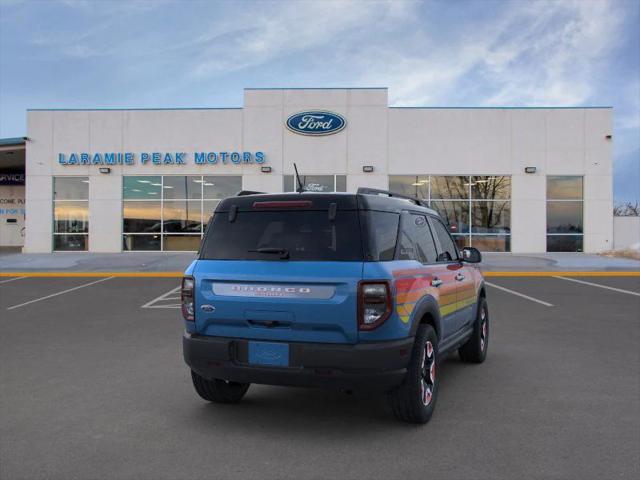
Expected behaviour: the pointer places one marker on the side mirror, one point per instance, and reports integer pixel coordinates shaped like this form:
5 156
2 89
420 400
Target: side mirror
471 255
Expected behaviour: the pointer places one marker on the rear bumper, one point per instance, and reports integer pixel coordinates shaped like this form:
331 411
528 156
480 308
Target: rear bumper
368 366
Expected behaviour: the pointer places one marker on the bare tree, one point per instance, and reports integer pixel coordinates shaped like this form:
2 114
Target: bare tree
628 209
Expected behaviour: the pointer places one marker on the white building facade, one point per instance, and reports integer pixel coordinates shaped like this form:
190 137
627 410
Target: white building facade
525 180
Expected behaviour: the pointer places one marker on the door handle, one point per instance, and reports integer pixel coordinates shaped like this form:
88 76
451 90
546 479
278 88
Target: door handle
436 282
459 277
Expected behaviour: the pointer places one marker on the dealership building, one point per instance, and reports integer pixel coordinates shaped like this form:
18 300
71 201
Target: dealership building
524 180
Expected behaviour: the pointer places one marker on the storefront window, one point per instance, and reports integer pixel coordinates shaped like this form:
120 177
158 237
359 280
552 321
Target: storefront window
181 216
316 183
186 187
412 185
491 187
141 217
564 214
217 188
142 188
490 217
455 215
450 187
564 188
171 212
476 209
70 213
141 242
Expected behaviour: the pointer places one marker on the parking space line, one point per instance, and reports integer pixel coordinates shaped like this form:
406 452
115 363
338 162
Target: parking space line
12 279
513 292
59 293
628 292
164 296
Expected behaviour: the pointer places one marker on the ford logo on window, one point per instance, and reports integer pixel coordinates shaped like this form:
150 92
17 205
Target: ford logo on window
316 123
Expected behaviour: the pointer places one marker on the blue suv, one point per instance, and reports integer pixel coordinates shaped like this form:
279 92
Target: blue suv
350 291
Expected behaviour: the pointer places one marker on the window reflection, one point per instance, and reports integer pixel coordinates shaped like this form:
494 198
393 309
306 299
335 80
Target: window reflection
316 183
64 243
450 187
70 213
182 187
491 217
462 241
488 211
181 242
221 187
564 213
455 215
564 217
71 188
411 185
182 216
176 205
140 242
141 217
564 243
491 187
71 217
142 187
492 243
564 188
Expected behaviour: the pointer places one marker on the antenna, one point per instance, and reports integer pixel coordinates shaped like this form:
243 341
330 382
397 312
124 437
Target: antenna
300 188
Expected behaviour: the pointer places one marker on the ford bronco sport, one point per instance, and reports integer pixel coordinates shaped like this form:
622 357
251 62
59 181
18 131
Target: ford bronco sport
354 291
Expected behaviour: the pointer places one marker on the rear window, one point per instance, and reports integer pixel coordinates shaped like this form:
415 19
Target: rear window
303 235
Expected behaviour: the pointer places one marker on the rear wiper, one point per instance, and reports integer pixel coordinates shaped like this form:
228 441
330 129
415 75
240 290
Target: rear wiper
283 252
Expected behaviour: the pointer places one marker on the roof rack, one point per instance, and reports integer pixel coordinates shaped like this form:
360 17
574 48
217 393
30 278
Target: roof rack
242 193
375 191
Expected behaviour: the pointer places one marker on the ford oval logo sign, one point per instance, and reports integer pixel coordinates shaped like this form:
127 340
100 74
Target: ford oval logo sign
316 123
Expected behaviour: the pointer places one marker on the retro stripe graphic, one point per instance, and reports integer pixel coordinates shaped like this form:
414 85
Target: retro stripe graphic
413 284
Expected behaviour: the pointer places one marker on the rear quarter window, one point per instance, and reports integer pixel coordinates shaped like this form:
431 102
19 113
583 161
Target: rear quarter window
381 230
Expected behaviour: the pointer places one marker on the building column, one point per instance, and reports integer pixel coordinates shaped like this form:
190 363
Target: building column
105 212
528 213
39 214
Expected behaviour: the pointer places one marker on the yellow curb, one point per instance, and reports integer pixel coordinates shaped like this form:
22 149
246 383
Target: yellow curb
563 274
94 274
180 274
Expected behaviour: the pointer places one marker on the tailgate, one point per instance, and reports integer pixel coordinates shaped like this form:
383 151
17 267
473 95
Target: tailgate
299 301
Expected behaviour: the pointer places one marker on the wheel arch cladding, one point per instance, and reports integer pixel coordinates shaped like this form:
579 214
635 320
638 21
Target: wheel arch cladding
427 312
481 291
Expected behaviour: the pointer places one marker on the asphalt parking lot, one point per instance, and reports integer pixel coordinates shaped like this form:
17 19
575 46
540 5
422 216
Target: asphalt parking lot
93 386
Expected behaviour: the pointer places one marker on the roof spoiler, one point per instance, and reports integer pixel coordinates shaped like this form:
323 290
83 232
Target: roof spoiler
243 193
375 191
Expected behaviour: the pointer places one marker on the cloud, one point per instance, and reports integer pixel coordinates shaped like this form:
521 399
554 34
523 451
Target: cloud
271 31
537 53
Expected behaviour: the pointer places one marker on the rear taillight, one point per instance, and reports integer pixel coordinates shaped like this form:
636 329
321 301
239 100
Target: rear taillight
186 298
374 304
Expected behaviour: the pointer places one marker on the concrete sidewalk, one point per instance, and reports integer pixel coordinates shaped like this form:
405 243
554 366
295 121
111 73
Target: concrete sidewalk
95 262
556 262
176 262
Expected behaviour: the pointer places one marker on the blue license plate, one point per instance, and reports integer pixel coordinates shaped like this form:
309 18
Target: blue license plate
266 353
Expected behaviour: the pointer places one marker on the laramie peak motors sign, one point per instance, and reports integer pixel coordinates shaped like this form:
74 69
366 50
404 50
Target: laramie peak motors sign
316 122
161 158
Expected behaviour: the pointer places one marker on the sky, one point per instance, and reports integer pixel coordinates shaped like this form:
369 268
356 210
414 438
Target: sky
156 53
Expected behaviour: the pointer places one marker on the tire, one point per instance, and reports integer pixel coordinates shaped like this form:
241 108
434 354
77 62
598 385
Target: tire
414 401
219 391
475 350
